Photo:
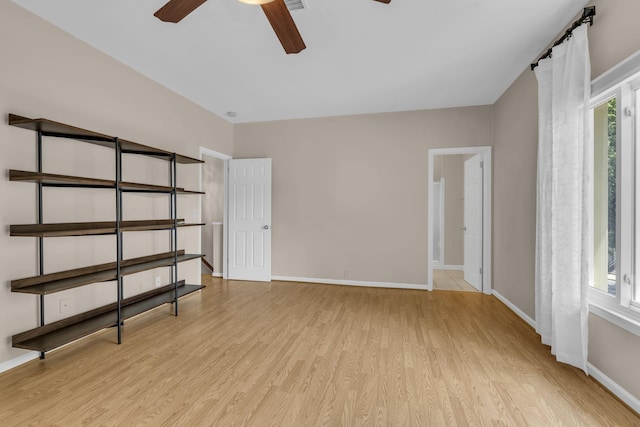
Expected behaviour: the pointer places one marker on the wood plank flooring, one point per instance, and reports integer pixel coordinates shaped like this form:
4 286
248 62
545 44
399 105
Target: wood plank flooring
292 354
451 280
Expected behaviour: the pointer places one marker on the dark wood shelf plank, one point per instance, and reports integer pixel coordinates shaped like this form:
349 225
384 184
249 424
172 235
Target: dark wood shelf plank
90 228
77 181
35 280
139 304
134 186
56 129
185 160
136 148
70 283
54 179
53 335
63 229
63 280
165 262
149 188
61 130
144 225
191 224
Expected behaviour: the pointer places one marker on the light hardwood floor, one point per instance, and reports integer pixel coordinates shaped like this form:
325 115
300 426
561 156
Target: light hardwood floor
292 354
451 280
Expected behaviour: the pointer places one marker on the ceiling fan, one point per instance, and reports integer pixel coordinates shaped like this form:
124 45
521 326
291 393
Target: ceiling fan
275 10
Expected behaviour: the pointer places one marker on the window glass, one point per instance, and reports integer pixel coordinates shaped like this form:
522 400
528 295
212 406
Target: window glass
636 289
604 132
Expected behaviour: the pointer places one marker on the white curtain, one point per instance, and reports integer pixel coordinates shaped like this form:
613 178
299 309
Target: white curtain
563 230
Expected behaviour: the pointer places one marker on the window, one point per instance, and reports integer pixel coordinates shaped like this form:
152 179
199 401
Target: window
604 180
615 120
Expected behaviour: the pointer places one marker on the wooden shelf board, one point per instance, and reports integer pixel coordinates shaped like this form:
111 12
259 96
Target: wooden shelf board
51 128
89 228
56 129
77 181
53 335
63 229
133 186
69 279
185 160
64 284
135 148
191 224
148 188
165 262
76 272
54 179
144 225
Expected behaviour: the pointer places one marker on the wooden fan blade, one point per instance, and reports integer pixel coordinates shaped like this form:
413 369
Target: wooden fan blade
283 25
176 10
384 1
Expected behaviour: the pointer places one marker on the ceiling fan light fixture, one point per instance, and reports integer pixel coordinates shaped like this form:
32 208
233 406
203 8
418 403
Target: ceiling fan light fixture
256 2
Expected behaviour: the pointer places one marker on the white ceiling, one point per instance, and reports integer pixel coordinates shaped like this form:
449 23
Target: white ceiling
362 56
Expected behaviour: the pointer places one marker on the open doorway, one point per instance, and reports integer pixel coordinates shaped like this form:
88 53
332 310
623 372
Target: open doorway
459 220
213 178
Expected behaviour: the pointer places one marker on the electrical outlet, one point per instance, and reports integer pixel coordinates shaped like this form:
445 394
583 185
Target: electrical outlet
346 273
158 281
64 305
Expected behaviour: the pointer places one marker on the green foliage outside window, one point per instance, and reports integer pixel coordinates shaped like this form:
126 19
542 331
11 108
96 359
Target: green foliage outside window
612 127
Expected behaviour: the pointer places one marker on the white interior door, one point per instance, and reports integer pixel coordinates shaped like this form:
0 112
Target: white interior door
250 219
473 221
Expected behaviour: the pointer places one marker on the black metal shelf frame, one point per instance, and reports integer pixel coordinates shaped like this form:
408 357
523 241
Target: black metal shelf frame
172 191
40 221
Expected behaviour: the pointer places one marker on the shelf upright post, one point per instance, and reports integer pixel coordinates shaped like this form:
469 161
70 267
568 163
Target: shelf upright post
119 235
174 216
40 221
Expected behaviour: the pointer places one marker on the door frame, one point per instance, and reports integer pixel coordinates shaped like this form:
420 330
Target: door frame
212 153
485 153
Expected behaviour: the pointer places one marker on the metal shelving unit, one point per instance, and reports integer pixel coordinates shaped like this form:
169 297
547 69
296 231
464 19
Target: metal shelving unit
49 336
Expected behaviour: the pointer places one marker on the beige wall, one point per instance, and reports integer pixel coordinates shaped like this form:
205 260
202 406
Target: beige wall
613 37
514 192
45 72
350 193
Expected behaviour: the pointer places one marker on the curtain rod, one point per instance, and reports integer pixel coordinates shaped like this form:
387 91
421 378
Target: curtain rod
587 16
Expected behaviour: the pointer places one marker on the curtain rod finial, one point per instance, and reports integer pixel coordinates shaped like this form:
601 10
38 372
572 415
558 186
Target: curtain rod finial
588 13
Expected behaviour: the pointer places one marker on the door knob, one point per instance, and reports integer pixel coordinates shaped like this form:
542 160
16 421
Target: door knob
266 227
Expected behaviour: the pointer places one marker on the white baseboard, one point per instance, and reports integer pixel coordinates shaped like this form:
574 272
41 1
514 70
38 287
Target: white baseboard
448 267
217 274
353 283
614 387
17 361
515 309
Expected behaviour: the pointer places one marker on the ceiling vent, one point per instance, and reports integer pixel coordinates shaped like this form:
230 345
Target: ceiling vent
293 5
